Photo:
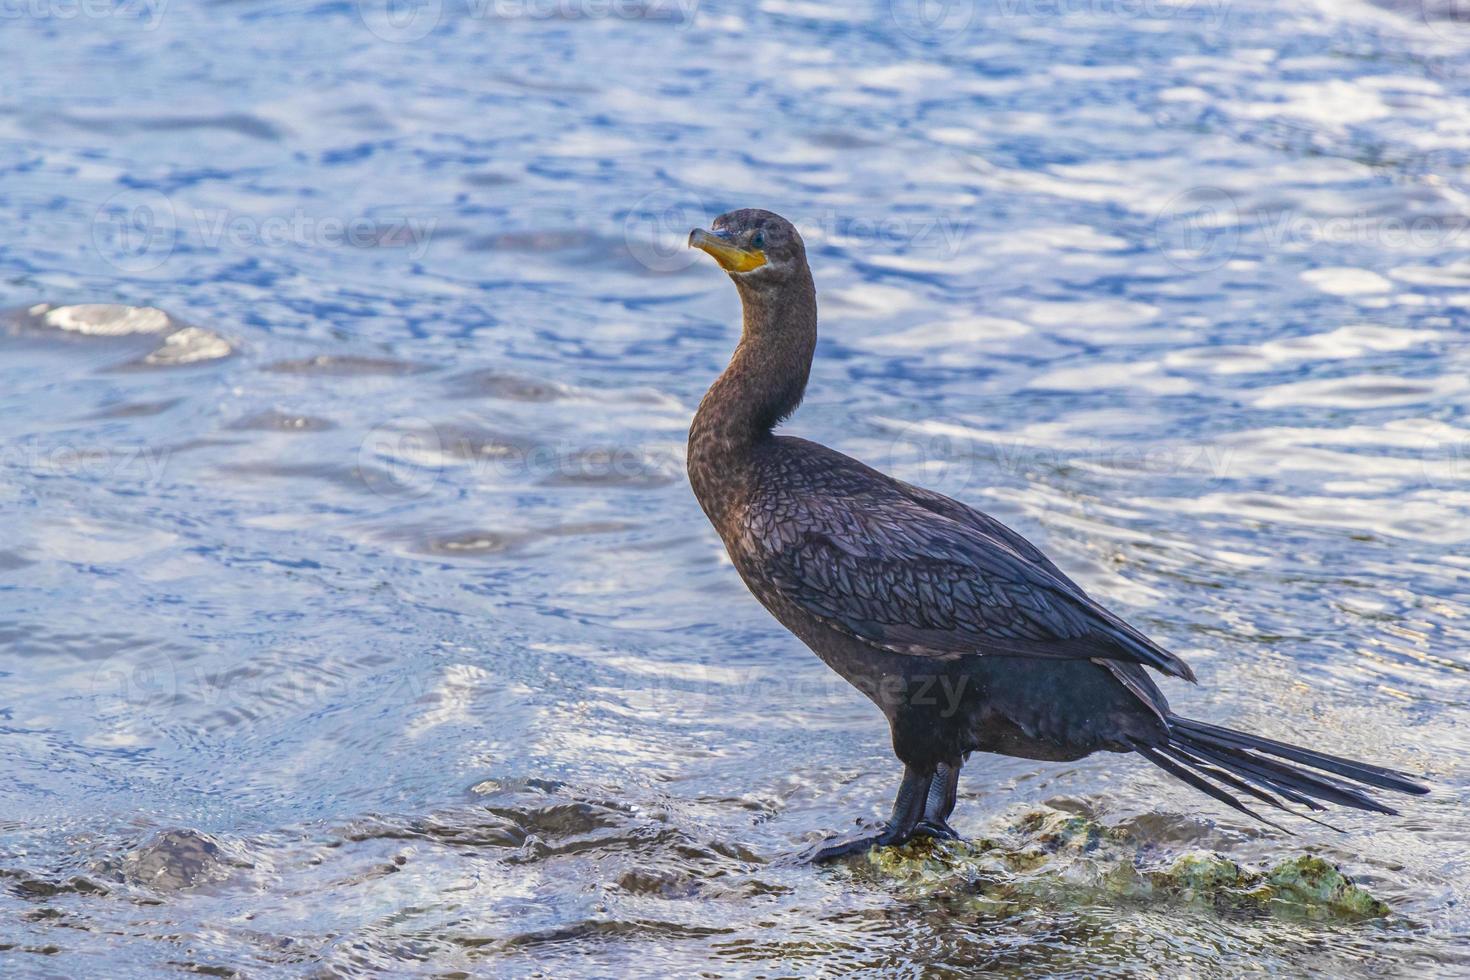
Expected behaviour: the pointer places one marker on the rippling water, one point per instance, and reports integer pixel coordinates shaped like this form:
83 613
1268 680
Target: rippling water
357 617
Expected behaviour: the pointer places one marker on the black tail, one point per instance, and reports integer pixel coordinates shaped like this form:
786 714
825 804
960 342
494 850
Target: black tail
1208 758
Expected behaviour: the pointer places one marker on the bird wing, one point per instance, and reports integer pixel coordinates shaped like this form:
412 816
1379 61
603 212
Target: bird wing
898 572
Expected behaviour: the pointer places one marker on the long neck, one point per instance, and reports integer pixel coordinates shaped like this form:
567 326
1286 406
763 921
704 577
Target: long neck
763 383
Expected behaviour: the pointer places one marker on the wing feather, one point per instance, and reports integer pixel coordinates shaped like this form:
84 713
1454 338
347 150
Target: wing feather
918 573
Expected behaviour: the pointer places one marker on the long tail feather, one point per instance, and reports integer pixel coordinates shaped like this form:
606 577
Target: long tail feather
1220 775
1217 760
1379 776
1288 779
1204 786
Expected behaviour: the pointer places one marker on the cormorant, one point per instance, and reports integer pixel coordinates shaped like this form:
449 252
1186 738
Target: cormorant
965 635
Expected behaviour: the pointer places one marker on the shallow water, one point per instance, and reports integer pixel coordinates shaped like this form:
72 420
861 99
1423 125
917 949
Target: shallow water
356 614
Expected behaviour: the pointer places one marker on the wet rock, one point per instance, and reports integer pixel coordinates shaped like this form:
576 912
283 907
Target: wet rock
272 420
491 383
189 345
29 886
490 543
134 410
1315 883
101 320
164 340
1047 855
179 859
348 366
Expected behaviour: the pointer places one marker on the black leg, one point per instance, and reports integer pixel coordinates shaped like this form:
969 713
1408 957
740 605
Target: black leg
940 803
908 808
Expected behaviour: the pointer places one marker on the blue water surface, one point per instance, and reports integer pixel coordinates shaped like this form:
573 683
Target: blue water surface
356 617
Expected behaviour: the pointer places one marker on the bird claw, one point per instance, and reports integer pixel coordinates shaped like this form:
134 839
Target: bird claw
937 829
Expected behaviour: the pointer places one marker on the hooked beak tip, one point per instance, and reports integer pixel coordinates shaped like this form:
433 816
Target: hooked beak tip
731 257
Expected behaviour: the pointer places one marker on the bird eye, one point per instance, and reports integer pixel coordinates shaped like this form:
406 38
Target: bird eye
759 241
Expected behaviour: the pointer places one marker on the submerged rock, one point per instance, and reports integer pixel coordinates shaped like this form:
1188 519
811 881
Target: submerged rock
176 859
163 341
1049 855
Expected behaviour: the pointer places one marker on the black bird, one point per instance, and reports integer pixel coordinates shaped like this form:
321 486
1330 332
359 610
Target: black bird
965 635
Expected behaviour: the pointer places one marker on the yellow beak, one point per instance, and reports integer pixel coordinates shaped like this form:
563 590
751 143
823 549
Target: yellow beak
732 257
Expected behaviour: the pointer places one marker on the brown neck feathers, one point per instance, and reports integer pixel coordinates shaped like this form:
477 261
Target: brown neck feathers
763 383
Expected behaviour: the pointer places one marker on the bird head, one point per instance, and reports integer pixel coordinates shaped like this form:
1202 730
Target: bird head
755 247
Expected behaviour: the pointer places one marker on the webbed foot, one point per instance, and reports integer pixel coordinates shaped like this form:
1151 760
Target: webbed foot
847 847
908 808
937 829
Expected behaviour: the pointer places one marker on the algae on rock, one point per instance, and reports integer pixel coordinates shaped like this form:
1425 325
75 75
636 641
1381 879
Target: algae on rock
1049 854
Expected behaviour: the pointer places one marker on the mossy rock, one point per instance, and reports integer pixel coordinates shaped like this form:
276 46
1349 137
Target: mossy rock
1048 855
1312 882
